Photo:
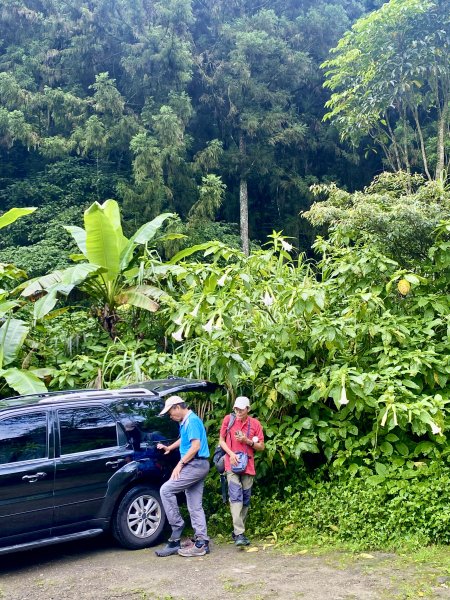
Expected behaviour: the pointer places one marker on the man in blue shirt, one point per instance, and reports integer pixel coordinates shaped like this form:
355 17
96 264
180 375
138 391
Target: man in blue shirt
188 476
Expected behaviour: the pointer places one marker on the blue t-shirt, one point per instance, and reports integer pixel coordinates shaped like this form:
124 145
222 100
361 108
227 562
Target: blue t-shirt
193 429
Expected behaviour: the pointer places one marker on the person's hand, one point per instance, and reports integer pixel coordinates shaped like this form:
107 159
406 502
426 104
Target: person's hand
176 472
163 447
234 459
239 436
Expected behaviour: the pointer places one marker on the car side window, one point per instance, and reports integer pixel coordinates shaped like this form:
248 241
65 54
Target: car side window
86 428
23 437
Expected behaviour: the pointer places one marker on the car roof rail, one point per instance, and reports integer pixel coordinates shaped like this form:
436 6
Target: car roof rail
87 394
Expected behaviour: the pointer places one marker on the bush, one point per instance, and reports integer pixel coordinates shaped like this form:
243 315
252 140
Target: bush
401 512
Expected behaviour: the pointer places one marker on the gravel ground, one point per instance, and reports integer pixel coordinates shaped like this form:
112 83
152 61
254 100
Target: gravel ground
99 570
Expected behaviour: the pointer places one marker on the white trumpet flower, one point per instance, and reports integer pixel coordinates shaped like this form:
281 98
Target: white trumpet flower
178 335
209 325
343 399
194 313
435 429
286 245
222 280
268 300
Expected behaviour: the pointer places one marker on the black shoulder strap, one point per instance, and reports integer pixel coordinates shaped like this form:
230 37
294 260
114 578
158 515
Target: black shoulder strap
231 421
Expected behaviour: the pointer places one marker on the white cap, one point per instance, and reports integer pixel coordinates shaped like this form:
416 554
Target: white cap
242 402
171 401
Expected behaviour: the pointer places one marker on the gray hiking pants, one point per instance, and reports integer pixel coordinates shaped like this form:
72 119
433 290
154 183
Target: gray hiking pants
191 481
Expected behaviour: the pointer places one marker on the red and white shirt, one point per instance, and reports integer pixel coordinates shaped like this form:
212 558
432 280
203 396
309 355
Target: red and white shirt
256 430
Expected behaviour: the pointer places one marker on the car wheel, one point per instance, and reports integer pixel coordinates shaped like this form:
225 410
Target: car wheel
139 519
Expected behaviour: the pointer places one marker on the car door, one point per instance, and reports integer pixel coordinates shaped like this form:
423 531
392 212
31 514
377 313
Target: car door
26 477
144 429
88 454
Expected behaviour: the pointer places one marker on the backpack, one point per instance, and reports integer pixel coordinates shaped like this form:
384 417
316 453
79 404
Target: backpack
219 452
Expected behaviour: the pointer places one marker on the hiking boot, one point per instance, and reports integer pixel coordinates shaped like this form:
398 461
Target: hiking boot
191 541
241 540
200 548
170 548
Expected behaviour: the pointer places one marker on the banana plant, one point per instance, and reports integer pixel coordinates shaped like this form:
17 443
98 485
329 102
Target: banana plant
106 274
13 332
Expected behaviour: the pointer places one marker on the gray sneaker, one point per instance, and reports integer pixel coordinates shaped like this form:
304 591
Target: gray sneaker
169 549
197 549
241 540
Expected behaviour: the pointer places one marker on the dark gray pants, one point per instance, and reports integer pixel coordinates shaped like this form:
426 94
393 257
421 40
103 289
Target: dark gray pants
191 481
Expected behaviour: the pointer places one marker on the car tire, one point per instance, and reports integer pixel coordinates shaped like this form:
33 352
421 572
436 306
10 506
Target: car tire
139 519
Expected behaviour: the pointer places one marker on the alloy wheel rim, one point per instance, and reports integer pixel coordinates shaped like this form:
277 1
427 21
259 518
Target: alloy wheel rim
144 516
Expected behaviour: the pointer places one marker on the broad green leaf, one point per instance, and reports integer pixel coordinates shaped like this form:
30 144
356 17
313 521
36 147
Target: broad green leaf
7 306
61 281
24 382
44 305
79 235
386 448
104 240
12 215
137 299
148 290
40 283
192 250
148 231
381 469
402 449
12 336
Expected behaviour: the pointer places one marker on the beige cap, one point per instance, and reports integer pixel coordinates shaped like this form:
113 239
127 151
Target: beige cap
171 401
241 402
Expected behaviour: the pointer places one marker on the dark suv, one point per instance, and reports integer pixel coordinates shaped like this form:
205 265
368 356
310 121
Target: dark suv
75 464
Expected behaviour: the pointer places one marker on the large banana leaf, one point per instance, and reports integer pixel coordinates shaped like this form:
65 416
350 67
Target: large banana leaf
62 281
44 305
12 336
143 235
138 299
38 284
14 214
7 306
79 235
148 231
104 238
23 382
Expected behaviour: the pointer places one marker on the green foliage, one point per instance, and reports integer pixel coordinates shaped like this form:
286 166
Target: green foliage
109 276
390 77
397 213
409 510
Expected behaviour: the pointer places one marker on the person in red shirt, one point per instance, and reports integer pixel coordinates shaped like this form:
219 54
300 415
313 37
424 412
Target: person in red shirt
245 435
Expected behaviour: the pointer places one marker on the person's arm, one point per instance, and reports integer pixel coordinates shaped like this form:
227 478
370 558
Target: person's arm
190 454
226 448
172 446
257 446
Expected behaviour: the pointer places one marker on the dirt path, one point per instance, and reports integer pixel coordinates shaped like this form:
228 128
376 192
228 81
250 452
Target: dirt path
97 570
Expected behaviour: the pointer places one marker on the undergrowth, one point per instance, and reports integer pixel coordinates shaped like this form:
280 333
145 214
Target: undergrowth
401 514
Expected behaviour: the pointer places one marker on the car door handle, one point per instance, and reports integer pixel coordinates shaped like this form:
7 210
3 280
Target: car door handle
114 463
33 478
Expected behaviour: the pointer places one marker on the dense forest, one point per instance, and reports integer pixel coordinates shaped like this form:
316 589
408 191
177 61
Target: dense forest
252 192
197 108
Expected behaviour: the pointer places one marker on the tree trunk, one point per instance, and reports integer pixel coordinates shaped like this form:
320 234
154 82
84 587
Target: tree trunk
415 113
243 200
442 126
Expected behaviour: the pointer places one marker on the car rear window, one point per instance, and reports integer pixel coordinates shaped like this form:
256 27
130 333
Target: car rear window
143 416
